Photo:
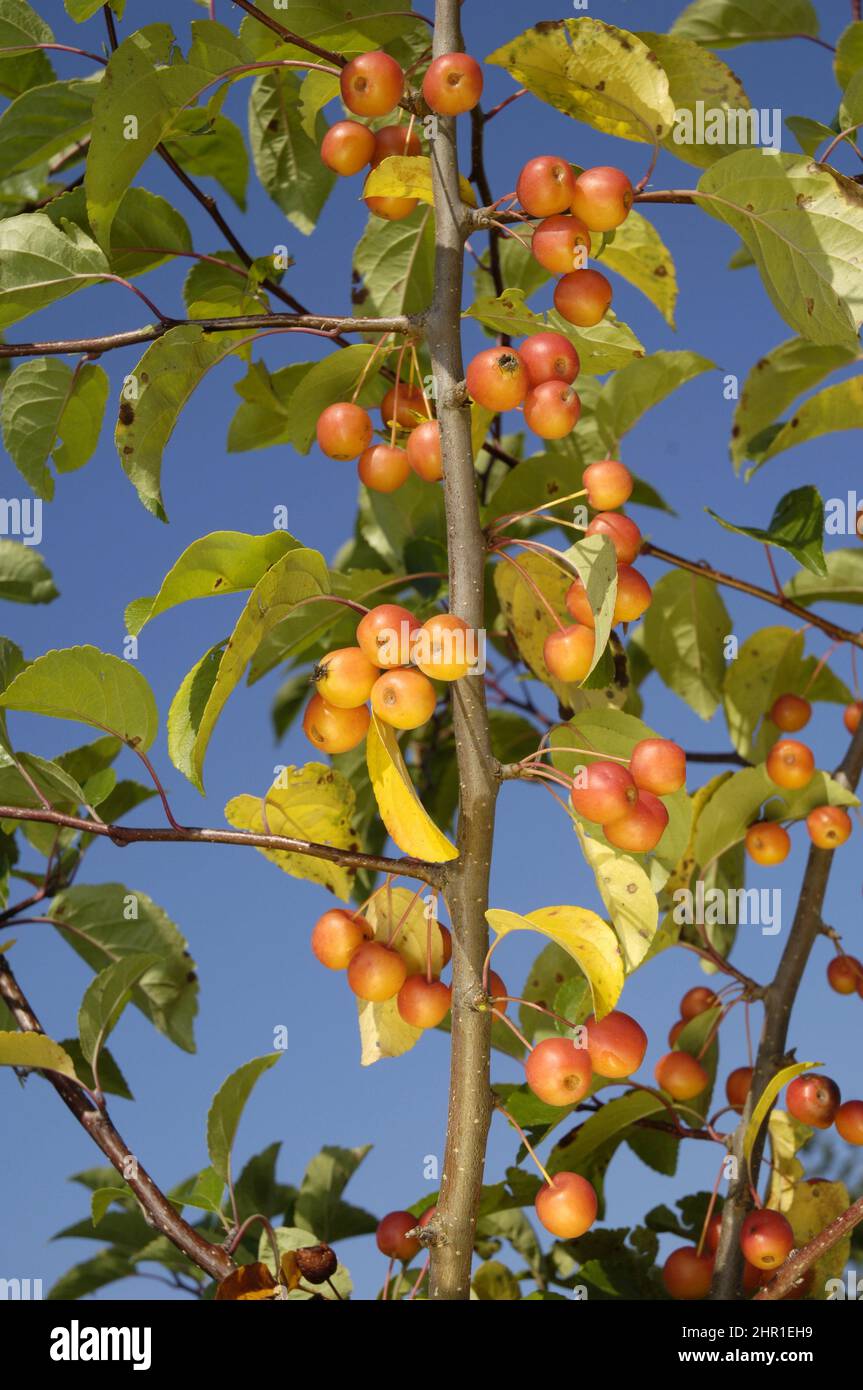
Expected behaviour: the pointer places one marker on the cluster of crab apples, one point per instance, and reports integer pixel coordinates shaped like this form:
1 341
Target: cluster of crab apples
373 85
346 431
626 800
391 667
791 765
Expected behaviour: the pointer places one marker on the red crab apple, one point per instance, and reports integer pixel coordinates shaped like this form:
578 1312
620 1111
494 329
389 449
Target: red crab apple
675 1030
634 595
345 678
790 764
641 829
583 297
697 1001
337 935
844 973
545 186
384 635
568 652
552 409
549 357
561 244
681 1075
621 531
392 1236
603 198
424 451
558 1072
347 147
372 84
790 713
390 209
659 766
453 84
849 1121
376 972
383 468
766 1238
828 826
424 1003
567 1206
404 698
738 1085
813 1100
768 843
403 404
334 730
344 430
498 379
609 484
851 716
686 1274
616 1044
603 792
394 140
497 991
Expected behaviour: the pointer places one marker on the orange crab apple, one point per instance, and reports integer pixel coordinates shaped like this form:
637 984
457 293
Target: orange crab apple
385 634
641 828
392 1236
561 244
376 972
403 698
658 765
497 379
567 1206
403 405
813 1100
686 1274
852 715
383 468
790 713
334 730
394 140
337 935
549 357
766 1238
552 409
558 1072
616 1044
344 430
442 648
829 826
453 84
681 1075
545 186
347 147
621 531
737 1086
768 843
345 678
609 484
603 198
424 451
697 1001
391 209
568 652
583 297
603 792
424 1003
849 1121
844 973
790 764
372 84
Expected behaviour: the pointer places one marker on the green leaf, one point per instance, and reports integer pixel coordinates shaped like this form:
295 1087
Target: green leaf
843 582
317 89
105 999
211 146
319 1206
836 408
595 560
142 219
797 525
111 1079
111 922
611 344
153 397
195 709
752 795
287 161
849 53
19 25
315 803
559 63
775 381
79 10
42 122
41 263
636 388
724 23
693 74
52 780
228 1104
684 633
24 576
215 291
640 256
140 94
84 684
810 135
769 663
608 1127
91 1275
330 380
224 562
804 227
37 1051
46 402
394 262
263 417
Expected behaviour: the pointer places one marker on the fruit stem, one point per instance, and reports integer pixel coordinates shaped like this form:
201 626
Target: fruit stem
509 518
415 368
367 368
525 1141
498 1013
393 936
540 1008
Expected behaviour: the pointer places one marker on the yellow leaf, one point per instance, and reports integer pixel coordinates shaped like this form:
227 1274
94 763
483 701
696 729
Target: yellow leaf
815 1206
590 941
401 810
35 1050
767 1097
625 889
383 1031
314 802
409 176
787 1135
249 1282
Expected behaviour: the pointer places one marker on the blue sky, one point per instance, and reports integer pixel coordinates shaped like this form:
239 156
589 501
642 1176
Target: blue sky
248 925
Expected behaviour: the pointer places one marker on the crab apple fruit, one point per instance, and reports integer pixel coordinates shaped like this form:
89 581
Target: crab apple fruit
567 1206
621 531
404 408
376 972
686 1274
384 635
442 647
616 1044
658 765
766 1238
561 244
713 1232
790 764
497 990
641 829
578 604
317 1263
334 730
446 943
681 1075
497 379
383 468
790 713
737 1086
851 716
604 792
568 652
545 186
394 140
844 973
424 451
558 1072
675 1030
344 431
849 1121
549 357
697 1001
634 595
372 84
344 678
392 1236
767 843
828 826
608 483
404 698
453 84
603 198
337 935
583 297
813 1100
424 1003
347 147
391 209
552 409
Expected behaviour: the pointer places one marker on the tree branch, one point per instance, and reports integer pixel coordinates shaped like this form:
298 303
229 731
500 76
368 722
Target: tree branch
160 1213
786 1277
469 1109
122 835
288 35
778 1003
312 323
